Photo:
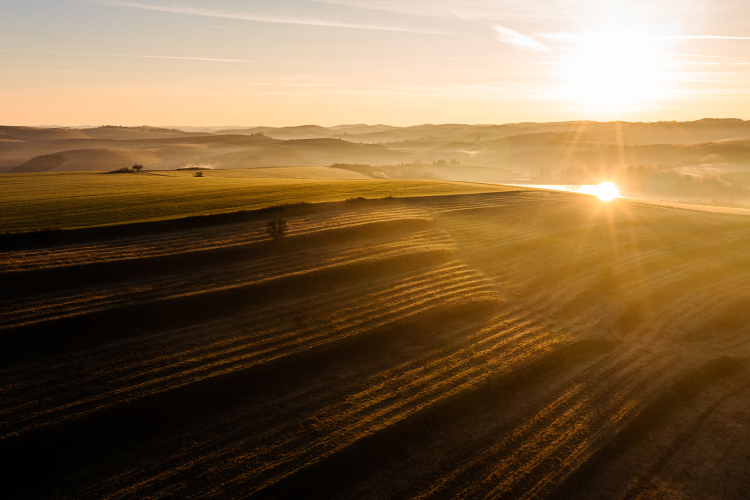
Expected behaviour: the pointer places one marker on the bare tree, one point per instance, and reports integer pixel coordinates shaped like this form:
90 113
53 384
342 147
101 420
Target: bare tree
276 228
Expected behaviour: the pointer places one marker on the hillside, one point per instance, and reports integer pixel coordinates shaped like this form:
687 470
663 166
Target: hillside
630 133
530 147
536 153
170 153
521 344
83 200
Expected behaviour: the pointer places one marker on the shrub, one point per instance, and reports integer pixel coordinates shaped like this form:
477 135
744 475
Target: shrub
276 228
198 174
123 170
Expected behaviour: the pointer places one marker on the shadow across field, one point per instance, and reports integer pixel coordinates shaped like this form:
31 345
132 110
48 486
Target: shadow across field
522 344
62 451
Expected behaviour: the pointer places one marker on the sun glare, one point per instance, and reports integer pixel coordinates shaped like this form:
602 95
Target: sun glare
614 71
606 191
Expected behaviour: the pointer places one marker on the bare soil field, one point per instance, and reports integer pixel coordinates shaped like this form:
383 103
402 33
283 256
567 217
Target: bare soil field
523 344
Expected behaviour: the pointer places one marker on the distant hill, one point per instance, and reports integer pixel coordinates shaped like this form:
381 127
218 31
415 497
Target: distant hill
525 148
560 153
37 134
125 133
301 132
233 151
361 128
627 133
88 160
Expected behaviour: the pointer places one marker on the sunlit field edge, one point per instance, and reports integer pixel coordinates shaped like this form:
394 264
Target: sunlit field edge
33 202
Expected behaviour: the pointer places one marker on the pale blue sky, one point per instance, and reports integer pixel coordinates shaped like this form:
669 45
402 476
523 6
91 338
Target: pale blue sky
286 62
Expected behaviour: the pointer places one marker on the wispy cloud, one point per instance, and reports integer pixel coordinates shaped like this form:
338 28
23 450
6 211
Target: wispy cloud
706 56
519 41
582 38
267 17
136 56
430 9
702 37
497 10
563 37
70 71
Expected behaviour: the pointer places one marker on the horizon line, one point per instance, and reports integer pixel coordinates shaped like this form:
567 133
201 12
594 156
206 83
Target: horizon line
229 127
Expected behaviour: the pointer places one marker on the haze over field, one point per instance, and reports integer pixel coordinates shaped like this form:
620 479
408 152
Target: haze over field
705 161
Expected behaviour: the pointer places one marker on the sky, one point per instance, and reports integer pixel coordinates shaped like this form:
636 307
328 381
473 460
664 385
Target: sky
328 62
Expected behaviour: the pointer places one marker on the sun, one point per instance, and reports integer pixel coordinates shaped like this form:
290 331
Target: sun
616 71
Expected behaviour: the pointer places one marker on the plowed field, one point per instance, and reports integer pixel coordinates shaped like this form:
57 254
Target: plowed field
520 344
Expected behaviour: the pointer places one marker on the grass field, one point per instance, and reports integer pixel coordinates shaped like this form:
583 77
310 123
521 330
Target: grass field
30 202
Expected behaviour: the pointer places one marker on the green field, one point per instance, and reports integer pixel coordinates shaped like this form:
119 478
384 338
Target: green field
31 202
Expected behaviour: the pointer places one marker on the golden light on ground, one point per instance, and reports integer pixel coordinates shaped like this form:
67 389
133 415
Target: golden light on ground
615 72
606 191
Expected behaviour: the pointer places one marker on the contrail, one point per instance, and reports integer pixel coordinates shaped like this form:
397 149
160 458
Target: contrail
267 18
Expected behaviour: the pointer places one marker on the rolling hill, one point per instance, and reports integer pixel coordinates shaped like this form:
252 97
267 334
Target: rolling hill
553 153
529 147
520 344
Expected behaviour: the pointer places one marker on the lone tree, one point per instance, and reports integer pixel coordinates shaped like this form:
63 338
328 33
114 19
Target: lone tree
276 228
198 174
137 168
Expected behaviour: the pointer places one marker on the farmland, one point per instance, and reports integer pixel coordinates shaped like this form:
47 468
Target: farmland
705 161
507 344
31 202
